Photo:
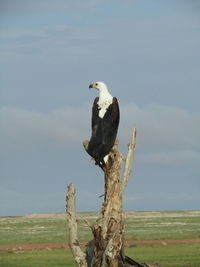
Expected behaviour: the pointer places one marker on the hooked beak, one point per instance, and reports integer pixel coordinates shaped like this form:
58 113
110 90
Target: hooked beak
91 85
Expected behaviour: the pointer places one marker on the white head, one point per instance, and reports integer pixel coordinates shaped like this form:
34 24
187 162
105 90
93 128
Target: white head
105 98
100 86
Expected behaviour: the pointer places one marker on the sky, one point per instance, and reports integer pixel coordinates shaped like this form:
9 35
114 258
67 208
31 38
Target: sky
147 52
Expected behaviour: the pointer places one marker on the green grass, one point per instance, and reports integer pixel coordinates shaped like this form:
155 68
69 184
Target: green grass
177 255
162 228
139 226
21 230
41 258
183 255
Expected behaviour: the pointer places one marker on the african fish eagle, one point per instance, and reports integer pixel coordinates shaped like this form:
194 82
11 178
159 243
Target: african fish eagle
105 121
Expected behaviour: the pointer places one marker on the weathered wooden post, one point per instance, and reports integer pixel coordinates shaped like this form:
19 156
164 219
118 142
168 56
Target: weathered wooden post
107 247
78 254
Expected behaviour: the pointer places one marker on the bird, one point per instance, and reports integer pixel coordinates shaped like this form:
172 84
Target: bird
105 122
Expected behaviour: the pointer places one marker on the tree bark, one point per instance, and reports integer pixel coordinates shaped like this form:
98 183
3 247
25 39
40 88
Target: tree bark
109 228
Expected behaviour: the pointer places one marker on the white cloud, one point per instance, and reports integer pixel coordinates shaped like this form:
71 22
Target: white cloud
21 128
164 134
161 126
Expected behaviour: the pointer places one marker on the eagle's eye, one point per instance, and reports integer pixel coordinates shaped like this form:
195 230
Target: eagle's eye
96 84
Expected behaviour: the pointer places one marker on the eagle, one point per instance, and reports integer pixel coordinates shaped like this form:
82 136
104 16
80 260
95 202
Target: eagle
105 122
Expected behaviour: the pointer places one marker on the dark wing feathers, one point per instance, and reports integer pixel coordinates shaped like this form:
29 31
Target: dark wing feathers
95 112
110 123
113 111
96 121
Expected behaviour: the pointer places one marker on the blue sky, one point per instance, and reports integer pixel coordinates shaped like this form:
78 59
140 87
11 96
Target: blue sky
148 54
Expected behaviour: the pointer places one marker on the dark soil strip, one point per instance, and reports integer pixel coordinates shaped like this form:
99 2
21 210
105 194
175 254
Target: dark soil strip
50 246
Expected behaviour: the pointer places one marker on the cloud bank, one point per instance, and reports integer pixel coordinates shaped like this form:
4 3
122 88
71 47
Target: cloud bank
165 134
160 125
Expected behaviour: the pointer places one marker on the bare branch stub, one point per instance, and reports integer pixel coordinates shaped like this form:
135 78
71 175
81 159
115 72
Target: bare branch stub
129 159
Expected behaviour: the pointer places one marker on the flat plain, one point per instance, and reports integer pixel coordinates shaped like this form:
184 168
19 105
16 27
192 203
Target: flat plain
151 226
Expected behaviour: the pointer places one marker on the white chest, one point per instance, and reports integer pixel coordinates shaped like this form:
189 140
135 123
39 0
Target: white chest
103 106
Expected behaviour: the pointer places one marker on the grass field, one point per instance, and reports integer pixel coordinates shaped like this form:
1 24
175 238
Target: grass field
46 228
182 255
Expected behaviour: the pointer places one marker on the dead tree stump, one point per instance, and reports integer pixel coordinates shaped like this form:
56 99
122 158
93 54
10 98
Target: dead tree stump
107 247
108 229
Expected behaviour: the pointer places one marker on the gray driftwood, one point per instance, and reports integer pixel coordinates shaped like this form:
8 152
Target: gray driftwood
107 247
78 254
